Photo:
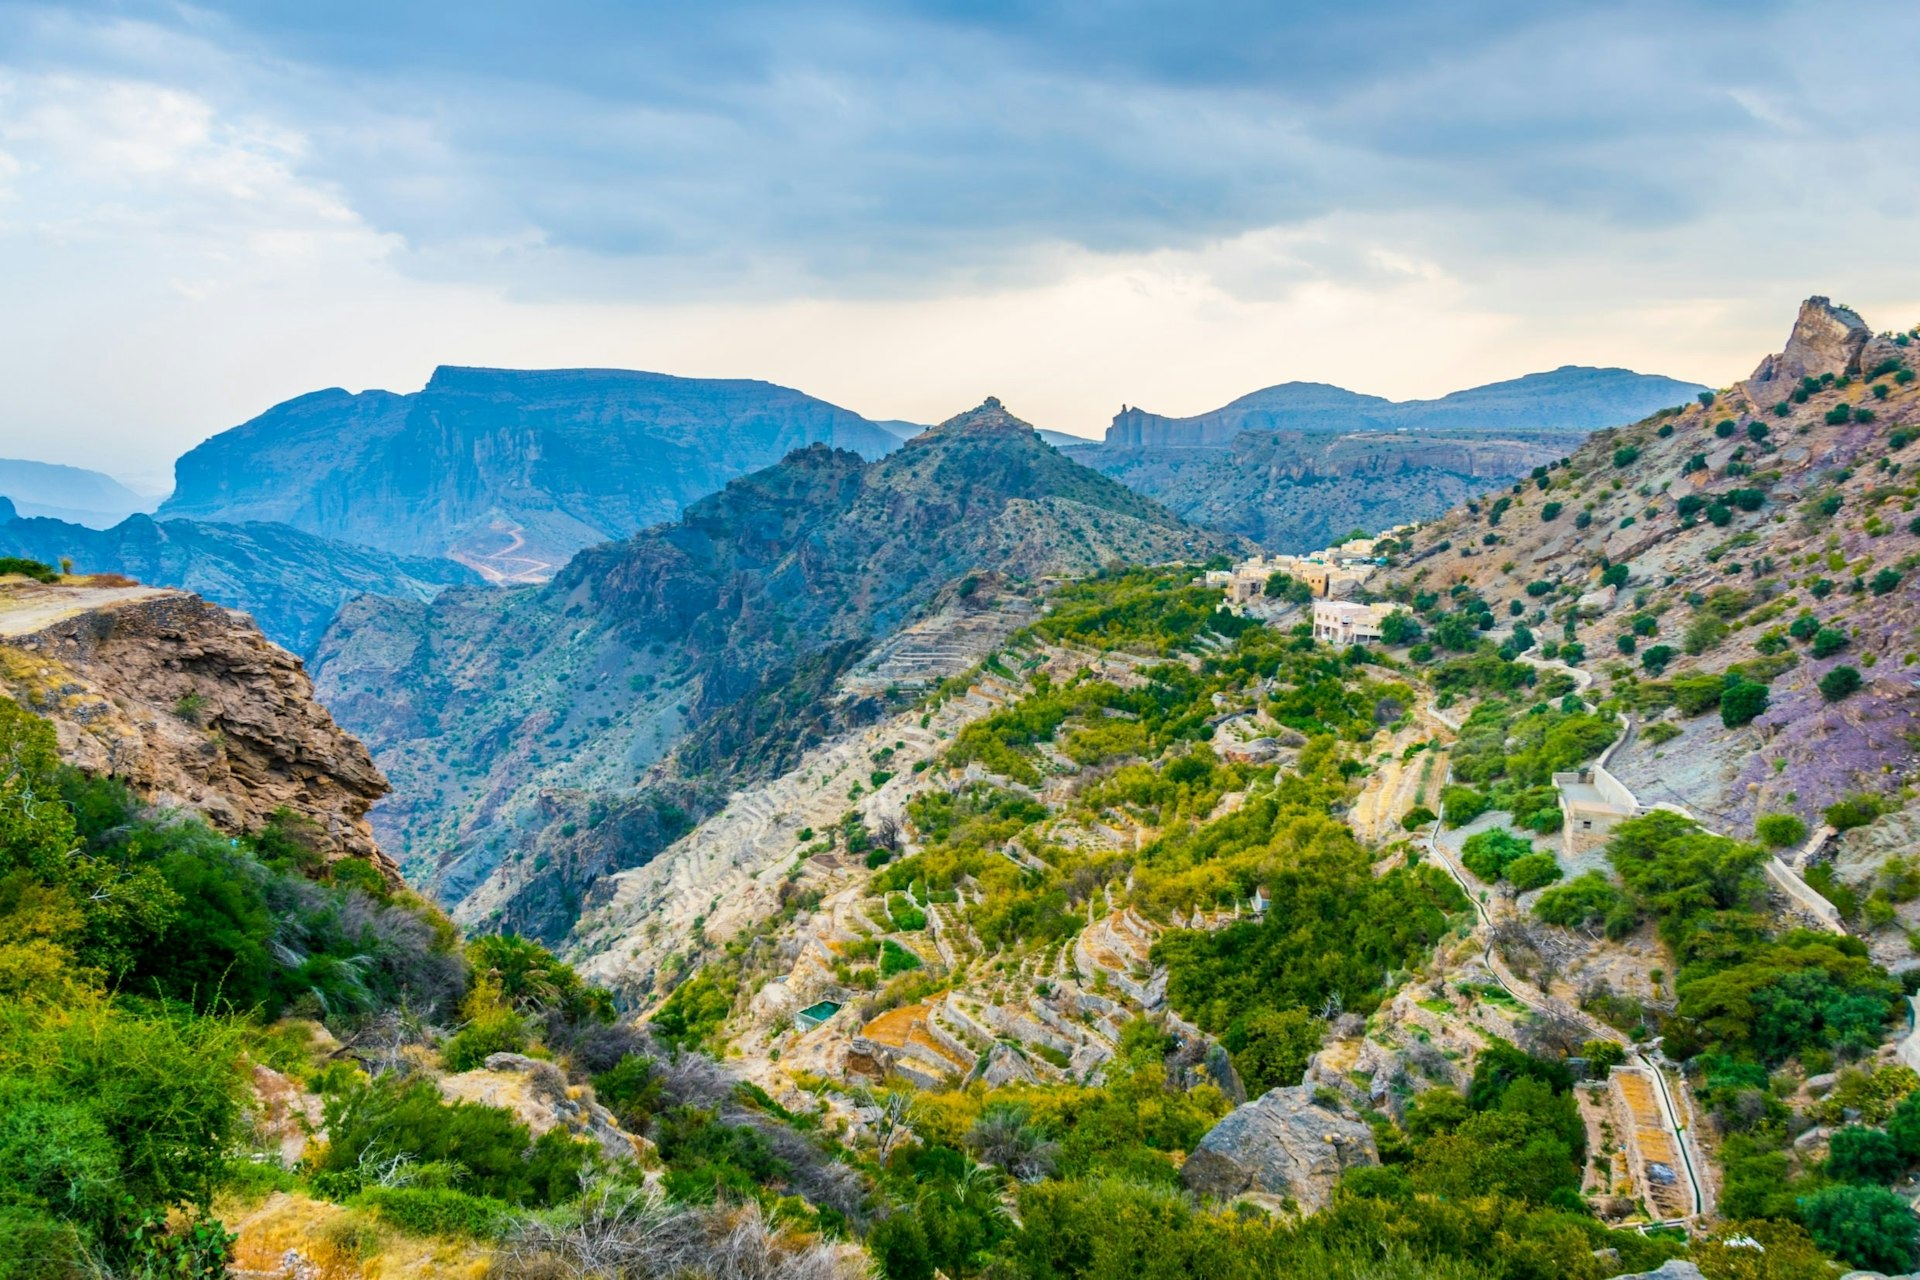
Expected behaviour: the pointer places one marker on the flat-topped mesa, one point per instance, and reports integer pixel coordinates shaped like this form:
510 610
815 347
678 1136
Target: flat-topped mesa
991 418
1825 339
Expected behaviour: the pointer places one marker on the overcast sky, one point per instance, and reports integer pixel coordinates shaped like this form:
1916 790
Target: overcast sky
903 208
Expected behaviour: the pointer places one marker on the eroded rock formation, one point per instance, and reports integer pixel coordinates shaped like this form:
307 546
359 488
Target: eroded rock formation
1286 1145
189 705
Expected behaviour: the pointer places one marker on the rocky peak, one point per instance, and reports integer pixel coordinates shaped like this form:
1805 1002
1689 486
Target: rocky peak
991 418
1825 339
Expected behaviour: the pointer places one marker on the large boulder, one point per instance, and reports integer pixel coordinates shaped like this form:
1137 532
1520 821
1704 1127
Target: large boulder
1825 339
538 1095
1285 1145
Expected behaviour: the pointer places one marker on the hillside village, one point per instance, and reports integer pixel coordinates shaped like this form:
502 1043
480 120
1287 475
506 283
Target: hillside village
1543 871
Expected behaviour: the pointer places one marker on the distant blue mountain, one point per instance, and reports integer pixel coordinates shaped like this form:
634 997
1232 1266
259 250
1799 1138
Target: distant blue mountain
509 471
1572 398
68 493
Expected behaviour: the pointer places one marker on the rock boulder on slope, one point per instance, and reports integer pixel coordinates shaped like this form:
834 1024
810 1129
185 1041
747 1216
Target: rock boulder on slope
1284 1145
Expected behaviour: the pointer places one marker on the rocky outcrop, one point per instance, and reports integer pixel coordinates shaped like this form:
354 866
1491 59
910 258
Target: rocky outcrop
1825 339
538 1095
291 583
190 706
1286 1145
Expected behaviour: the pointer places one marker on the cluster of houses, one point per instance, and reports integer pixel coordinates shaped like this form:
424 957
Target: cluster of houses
1332 576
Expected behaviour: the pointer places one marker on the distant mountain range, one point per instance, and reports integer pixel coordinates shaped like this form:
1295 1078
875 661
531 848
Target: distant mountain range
291 582
1571 398
1295 465
69 493
543 736
508 471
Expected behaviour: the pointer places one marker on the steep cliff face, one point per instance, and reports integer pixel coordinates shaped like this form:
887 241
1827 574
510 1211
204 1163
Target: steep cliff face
541 737
1295 491
291 582
509 471
189 705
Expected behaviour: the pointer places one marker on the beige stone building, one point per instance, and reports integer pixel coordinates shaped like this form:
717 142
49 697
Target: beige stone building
1343 622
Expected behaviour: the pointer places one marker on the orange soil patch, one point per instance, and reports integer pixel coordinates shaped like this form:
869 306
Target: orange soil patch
895 1025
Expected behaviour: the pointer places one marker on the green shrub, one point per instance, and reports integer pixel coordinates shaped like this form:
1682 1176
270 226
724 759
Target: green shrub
1867 1226
1488 854
438 1211
1884 581
1461 805
1741 701
1780 830
1841 682
1856 810
1588 901
1625 455
27 568
1417 817
1533 871
1828 641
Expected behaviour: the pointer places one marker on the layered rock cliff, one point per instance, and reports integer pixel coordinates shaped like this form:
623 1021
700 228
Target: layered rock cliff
509 471
190 706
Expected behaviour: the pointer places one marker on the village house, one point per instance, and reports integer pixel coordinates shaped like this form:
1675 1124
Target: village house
1344 622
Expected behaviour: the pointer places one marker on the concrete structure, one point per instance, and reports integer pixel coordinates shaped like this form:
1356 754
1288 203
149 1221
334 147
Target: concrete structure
1327 574
1342 623
1592 803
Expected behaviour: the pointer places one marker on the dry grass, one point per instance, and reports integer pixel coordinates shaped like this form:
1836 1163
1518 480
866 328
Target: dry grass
338 1243
631 1235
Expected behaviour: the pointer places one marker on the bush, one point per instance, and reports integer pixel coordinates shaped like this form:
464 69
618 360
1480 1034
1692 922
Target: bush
1780 830
1625 456
1417 817
1656 658
1856 810
27 568
1741 701
1828 641
386 1120
1724 428
1533 871
1588 901
1867 1226
1884 581
1461 805
1862 1155
1490 853
438 1211
1841 682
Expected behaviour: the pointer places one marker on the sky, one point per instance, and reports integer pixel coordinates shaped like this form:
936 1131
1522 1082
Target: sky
903 208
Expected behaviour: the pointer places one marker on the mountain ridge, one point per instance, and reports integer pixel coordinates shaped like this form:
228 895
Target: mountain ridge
668 667
508 471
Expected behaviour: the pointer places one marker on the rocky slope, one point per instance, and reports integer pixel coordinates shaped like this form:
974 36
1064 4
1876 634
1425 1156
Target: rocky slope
1766 531
1297 491
189 705
510 471
292 583
544 737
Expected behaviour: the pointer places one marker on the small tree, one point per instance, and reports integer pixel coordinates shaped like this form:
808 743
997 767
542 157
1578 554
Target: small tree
1741 701
1780 830
1839 683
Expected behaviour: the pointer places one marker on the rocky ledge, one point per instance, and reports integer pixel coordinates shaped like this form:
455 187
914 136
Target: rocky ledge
189 705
